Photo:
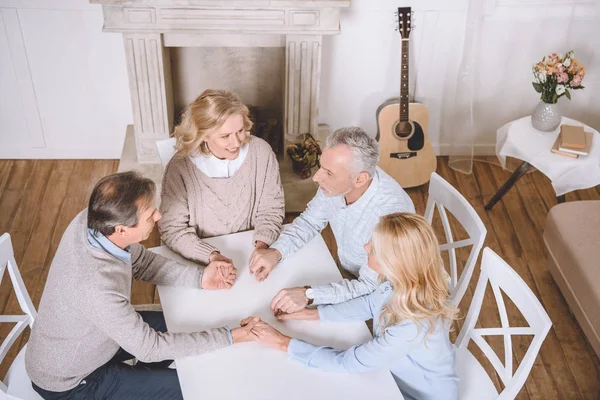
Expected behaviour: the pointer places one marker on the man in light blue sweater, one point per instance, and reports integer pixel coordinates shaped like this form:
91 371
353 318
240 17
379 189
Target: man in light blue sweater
353 194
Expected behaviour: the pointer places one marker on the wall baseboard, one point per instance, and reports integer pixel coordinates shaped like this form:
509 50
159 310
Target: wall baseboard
113 152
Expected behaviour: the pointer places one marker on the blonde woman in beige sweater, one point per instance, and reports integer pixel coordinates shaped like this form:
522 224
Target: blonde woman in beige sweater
220 181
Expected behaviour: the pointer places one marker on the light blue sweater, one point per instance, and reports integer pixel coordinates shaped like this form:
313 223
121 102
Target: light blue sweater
422 370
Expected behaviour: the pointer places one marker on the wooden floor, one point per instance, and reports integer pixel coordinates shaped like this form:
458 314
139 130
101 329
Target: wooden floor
38 199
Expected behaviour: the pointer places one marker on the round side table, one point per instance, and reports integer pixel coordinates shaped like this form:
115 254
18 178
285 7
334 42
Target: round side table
522 141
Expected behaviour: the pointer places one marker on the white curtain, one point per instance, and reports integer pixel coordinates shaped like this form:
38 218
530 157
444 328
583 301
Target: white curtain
503 39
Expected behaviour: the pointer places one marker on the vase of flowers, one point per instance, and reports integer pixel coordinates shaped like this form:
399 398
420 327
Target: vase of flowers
554 77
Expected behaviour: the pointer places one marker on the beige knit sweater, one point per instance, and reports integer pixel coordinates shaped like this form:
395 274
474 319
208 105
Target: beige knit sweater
85 314
195 206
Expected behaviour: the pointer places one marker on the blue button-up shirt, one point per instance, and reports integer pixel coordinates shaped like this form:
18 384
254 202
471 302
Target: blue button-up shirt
100 241
422 369
352 226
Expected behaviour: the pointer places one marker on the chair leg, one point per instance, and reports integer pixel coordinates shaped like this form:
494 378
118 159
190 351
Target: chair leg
147 307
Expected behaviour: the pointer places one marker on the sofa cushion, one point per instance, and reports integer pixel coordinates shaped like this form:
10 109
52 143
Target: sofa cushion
572 236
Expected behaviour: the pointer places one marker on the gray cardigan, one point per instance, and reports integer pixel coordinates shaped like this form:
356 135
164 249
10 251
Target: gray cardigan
85 314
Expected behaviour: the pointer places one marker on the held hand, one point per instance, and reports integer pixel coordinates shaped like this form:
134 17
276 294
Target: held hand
306 314
289 300
263 261
244 332
216 256
218 275
261 245
270 336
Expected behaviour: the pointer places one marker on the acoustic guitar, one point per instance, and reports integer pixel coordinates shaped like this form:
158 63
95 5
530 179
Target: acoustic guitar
406 153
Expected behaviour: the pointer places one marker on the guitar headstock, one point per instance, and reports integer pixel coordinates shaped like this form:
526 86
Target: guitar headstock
404 15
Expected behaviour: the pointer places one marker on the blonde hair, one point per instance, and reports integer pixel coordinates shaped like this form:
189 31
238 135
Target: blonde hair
409 255
208 112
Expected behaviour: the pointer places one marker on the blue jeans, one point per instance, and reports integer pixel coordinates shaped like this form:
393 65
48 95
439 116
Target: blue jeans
116 380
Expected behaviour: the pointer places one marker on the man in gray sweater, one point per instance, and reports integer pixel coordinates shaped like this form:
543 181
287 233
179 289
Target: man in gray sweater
86 325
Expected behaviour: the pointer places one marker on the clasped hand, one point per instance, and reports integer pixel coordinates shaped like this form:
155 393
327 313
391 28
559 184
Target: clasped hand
262 262
219 273
255 329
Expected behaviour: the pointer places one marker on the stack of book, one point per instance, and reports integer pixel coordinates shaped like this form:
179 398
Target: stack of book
572 141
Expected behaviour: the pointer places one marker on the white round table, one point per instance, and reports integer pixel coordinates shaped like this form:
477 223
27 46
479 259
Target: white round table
520 140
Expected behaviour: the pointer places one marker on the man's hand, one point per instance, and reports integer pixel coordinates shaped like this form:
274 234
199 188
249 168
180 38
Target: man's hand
218 275
306 314
263 261
289 300
244 332
270 336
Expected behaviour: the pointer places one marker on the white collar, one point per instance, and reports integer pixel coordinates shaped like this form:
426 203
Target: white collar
214 167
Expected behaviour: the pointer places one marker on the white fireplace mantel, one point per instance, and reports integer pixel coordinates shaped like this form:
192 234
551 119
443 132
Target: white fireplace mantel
151 27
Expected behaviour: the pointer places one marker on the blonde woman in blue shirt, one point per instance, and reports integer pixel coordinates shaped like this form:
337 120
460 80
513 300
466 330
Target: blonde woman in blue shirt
410 310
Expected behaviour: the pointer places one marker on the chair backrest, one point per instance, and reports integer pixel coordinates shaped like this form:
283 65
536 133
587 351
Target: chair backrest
166 149
7 261
501 276
445 197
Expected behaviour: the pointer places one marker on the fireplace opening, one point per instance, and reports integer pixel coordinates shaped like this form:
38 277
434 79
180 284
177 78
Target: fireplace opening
256 74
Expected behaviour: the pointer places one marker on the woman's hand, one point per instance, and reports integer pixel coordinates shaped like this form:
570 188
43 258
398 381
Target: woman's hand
261 245
216 256
244 332
306 314
270 336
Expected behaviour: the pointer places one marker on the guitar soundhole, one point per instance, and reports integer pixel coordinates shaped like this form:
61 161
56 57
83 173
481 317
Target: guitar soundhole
403 129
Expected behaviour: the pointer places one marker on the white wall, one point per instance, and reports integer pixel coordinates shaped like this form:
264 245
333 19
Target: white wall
64 90
63 82
361 66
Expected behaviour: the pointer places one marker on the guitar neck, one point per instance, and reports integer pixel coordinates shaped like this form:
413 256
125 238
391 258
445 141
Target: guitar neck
404 82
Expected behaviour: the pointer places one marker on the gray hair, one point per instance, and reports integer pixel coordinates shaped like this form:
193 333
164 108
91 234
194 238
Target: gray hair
365 149
116 199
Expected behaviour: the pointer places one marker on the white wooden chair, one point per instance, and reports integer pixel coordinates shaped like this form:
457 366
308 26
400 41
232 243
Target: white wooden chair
445 197
17 384
475 383
166 149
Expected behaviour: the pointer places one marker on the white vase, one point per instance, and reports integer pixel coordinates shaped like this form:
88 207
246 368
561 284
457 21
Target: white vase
546 117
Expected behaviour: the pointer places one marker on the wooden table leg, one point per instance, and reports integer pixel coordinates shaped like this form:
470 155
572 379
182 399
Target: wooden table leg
560 199
519 172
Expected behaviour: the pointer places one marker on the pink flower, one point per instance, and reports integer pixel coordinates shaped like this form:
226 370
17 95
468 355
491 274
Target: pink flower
561 68
562 78
576 80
